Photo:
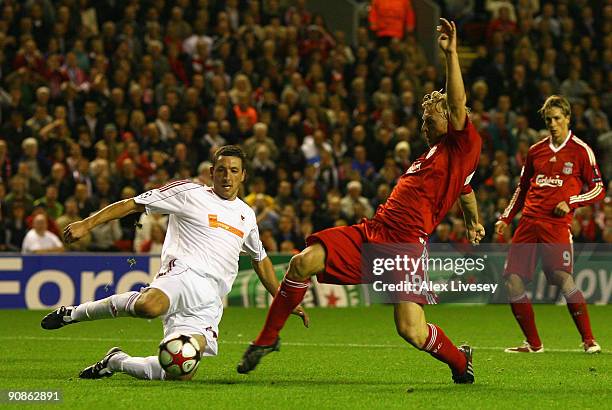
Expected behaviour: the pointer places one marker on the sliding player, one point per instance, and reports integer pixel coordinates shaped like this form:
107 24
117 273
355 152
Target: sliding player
207 230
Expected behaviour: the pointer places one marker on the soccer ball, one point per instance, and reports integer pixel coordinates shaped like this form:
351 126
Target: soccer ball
179 355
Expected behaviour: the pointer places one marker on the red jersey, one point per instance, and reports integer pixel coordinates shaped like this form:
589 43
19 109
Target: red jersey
432 184
555 174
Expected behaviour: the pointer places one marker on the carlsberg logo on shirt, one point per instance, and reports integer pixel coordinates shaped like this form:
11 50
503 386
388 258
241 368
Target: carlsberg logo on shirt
543 180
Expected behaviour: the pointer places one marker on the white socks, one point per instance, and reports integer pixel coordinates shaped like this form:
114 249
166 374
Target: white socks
140 367
110 307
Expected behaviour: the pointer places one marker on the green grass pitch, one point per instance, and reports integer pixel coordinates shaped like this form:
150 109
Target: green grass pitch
349 358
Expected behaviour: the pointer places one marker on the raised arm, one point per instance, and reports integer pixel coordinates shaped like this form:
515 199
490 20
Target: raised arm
455 90
117 210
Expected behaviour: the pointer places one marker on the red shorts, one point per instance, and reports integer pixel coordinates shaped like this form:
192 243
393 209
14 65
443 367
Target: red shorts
534 240
343 248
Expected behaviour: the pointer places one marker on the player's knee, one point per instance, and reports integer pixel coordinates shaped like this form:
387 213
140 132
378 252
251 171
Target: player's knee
563 281
514 285
151 305
298 267
413 334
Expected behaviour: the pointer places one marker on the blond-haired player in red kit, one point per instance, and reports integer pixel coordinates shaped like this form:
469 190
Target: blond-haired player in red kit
421 198
550 189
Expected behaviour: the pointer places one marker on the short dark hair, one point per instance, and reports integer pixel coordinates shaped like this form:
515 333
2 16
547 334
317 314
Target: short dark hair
229 151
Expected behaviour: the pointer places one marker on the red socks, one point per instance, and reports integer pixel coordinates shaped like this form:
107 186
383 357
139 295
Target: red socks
578 309
440 347
288 297
523 313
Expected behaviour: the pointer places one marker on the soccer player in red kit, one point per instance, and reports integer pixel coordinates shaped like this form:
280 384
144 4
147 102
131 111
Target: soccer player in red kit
421 198
550 188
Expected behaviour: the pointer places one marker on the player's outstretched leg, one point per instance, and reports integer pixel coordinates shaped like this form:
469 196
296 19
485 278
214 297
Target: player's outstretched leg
411 325
148 304
523 313
101 368
116 360
291 292
577 307
146 368
60 317
110 307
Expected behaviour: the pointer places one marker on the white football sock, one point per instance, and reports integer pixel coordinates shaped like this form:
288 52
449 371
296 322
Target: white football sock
110 307
140 367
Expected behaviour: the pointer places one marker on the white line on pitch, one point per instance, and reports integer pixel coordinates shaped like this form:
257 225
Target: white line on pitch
245 342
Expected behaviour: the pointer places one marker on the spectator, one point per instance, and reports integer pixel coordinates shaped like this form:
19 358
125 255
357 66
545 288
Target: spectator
50 203
167 82
353 197
314 145
267 217
103 237
37 165
263 166
85 203
143 233
361 163
154 245
6 167
64 185
91 119
72 215
260 137
391 19
287 232
39 239
141 161
19 193
15 227
574 87
502 23
268 241
256 187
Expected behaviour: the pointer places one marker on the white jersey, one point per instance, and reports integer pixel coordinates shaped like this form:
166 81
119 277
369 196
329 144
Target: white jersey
205 232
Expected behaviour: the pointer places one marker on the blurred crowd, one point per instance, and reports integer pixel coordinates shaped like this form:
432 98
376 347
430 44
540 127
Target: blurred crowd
100 103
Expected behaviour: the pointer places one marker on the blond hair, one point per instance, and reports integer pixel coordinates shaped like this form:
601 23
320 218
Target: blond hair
556 101
431 101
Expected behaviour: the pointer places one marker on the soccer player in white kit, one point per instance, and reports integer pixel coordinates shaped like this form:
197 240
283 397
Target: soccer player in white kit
208 228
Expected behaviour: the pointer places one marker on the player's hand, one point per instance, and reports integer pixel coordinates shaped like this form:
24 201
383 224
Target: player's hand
75 231
448 36
500 227
475 233
299 311
561 209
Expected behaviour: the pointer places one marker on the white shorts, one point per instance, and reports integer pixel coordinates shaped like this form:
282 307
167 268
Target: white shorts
195 306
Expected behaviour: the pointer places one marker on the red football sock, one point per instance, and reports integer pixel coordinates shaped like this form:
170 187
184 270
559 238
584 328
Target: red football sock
523 313
288 297
578 309
440 346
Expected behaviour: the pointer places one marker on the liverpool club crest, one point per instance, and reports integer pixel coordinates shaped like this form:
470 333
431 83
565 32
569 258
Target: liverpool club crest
568 167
